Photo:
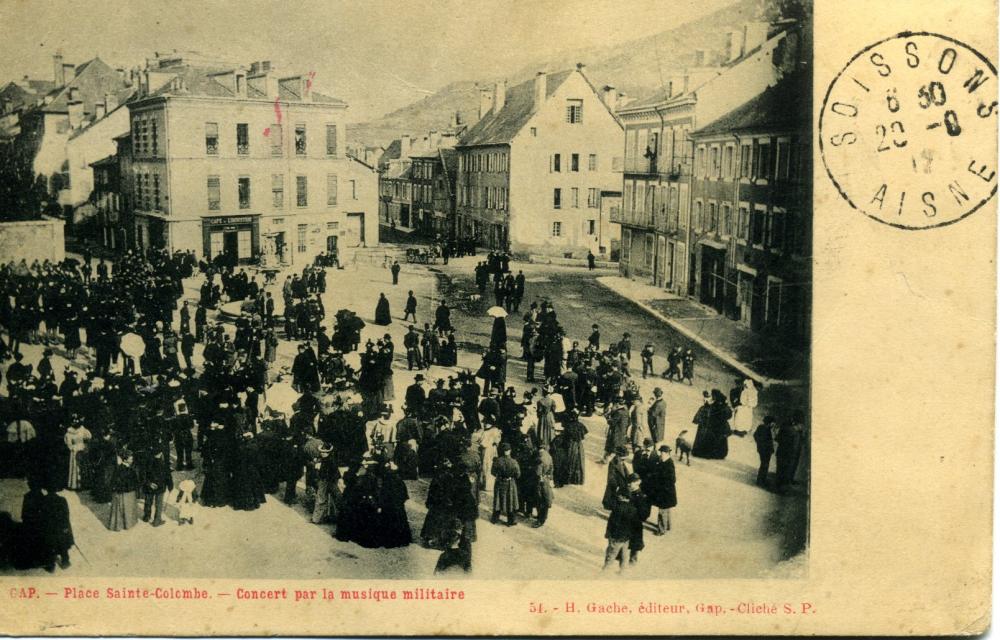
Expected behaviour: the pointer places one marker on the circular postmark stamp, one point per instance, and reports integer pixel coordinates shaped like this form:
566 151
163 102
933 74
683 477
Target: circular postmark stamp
908 130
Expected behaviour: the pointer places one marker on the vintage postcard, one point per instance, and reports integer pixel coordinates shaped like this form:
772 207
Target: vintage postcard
557 318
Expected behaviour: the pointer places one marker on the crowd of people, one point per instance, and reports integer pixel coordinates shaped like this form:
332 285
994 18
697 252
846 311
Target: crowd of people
108 431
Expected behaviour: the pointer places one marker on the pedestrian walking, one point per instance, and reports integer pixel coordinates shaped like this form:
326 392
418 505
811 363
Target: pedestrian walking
410 310
763 436
659 484
395 272
624 530
506 472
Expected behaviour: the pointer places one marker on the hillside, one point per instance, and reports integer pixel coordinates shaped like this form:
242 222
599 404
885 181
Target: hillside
637 68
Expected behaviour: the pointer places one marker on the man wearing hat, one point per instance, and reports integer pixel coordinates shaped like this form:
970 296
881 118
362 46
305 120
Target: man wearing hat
411 342
659 484
618 425
618 473
505 499
416 396
628 511
657 416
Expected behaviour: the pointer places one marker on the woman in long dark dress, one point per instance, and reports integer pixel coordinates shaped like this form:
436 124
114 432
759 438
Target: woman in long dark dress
449 352
574 433
440 516
382 315
216 451
124 505
247 488
359 520
498 336
393 527
101 463
712 440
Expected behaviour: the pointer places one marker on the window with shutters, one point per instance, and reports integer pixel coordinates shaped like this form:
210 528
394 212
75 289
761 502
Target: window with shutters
592 162
556 162
212 138
743 225
557 198
782 160
713 217
592 198
153 141
574 111
300 139
746 161
727 220
758 223
242 139
214 193
278 191
302 228
301 191
575 195
331 189
698 223
574 162
277 140
776 231
243 188
331 139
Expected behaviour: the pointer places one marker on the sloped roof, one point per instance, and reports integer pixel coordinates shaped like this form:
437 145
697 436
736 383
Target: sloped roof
391 153
122 105
785 106
93 79
500 128
201 81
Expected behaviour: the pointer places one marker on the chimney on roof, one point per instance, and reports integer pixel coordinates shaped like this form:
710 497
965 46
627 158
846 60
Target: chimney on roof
581 67
541 88
456 120
110 102
99 111
241 83
75 108
57 69
485 101
499 95
404 146
433 140
610 98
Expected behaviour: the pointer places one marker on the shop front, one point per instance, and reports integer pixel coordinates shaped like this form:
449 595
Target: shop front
236 237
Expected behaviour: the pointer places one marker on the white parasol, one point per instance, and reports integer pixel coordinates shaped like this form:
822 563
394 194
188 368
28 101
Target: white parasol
496 312
133 345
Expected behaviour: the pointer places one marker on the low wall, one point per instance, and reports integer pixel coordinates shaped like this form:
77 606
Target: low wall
32 240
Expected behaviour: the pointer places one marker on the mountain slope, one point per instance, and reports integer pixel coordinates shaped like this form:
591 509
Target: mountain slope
637 68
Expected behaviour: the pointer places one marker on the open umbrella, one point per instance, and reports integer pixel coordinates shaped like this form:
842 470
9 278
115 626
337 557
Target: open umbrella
133 345
496 312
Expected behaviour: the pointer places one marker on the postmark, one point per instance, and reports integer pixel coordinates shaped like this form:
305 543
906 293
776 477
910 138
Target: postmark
908 131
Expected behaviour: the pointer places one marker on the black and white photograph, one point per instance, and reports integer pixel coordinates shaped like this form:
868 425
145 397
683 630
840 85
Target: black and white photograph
406 291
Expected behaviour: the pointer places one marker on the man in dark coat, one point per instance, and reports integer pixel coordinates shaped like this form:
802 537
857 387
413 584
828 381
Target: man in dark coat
410 310
156 481
618 473
395 271
305 370
505 498
659 484
416 396
618 425
57 532
763 436
656 416
442 318
624 530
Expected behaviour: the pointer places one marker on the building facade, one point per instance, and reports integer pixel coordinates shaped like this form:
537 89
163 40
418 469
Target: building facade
752 212
243 163
532 170
655 216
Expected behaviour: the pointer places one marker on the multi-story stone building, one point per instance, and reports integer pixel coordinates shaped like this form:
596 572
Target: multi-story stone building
752 211
656 193
243 162
408 170
531 171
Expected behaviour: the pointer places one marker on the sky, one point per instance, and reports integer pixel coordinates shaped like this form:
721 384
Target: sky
377 55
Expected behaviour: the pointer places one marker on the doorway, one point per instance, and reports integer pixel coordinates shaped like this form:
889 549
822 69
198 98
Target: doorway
331 244
231 245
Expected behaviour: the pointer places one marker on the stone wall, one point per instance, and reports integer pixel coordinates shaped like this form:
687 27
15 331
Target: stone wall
32 240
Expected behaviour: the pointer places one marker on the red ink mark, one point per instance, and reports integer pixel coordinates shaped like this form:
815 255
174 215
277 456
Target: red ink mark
222 594
309 80
277 109
267 132
49 593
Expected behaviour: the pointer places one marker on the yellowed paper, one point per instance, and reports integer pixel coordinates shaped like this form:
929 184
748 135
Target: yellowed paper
887 527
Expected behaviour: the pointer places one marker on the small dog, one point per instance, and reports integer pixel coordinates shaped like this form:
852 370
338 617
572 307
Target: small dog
683 447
